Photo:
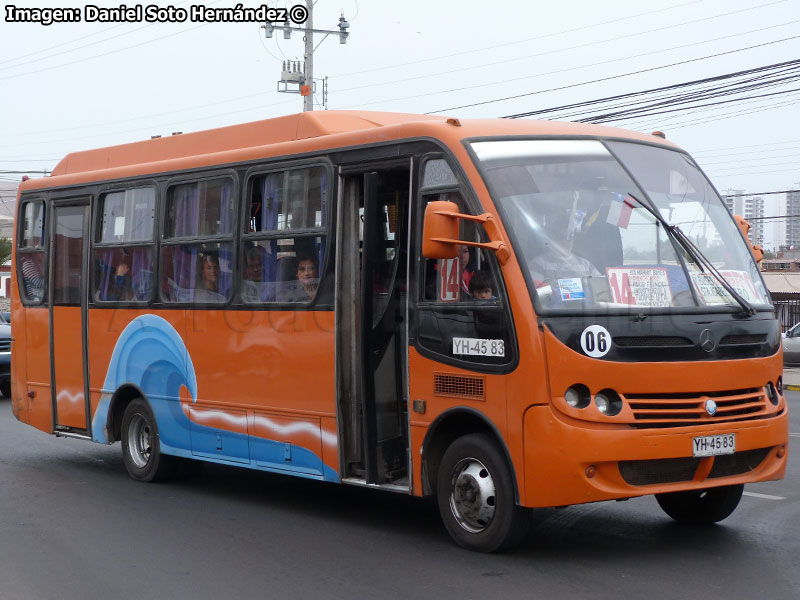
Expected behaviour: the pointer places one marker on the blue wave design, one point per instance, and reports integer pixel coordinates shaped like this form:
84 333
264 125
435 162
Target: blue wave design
151 355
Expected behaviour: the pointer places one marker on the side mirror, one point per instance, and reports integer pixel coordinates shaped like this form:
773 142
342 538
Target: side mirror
744 227
440 232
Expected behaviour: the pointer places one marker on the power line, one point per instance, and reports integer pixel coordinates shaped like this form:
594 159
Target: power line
616 38
792 64
610 78
749 146
212 2
72 62
760 194
537 38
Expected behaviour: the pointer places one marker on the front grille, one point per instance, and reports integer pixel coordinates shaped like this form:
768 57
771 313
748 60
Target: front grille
651 342
674 470
738 463
458 386
663 470
669 410
5 345
743 340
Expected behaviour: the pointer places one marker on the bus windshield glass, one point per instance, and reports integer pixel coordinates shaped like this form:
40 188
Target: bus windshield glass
575 210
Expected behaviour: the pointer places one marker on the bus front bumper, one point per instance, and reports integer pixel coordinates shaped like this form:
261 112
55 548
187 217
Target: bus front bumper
568 461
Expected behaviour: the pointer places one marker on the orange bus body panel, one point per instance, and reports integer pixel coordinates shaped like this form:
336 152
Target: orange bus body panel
253 368
70 396
559 447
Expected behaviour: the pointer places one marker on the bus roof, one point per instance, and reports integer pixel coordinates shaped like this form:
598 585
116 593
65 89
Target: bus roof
295 134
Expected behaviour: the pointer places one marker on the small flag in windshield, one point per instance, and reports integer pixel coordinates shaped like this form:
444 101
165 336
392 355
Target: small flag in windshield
619 213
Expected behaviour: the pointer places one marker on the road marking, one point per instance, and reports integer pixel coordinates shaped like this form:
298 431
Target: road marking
794 435
763 496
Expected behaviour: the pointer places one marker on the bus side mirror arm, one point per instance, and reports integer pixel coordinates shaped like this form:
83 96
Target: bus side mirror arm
440 232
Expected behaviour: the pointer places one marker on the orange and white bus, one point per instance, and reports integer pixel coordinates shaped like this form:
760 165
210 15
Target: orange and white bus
505 314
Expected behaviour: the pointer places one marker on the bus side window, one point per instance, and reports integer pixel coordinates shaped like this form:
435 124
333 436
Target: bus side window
197 251
284 244
30 253
461 315
123 254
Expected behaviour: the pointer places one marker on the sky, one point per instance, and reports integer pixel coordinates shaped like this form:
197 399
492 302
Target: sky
72 86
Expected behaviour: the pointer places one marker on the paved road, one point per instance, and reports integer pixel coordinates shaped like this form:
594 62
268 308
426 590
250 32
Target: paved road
74 526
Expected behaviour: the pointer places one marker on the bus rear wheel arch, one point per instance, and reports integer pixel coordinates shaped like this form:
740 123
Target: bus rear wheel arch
141 448
701 507
475 494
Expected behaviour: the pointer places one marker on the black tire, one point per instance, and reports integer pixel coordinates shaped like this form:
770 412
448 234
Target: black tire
5 389
701 507
141 450
475 492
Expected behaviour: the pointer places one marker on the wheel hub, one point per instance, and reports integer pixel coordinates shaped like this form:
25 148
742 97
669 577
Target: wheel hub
139 441
472 496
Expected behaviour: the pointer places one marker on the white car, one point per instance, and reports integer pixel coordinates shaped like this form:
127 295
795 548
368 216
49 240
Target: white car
791 346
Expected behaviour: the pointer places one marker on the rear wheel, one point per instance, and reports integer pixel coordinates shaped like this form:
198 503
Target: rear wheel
141 449
475 492
701 507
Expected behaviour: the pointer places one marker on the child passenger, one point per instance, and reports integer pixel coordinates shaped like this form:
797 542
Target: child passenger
480 286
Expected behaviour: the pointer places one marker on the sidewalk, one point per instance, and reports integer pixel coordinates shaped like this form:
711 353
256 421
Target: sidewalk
791 378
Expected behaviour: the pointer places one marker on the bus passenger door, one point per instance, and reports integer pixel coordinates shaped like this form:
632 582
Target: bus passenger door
372 326
68 282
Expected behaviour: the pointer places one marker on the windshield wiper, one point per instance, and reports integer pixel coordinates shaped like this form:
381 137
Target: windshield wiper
692 250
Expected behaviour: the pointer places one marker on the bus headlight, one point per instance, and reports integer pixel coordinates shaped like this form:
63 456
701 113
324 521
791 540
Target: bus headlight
578 396
608 402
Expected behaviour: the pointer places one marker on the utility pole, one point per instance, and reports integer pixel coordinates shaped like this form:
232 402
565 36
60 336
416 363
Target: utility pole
296 78
308 99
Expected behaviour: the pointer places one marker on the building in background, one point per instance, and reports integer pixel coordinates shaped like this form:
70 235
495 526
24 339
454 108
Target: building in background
751 208
8 200
792 212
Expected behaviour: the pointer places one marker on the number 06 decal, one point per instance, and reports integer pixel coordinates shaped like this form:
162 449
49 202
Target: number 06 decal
595 341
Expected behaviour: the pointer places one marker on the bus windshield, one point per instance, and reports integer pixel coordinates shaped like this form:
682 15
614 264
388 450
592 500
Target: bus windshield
575 211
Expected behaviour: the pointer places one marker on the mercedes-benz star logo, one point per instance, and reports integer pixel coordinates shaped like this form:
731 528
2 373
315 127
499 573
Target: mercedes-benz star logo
711 407
707 340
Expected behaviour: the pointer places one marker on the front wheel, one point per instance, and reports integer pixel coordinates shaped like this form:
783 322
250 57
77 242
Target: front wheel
475 492
701 507
141 449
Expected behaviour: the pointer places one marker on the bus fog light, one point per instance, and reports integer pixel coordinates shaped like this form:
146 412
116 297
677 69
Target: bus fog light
772 394
578 396
608 402
591 471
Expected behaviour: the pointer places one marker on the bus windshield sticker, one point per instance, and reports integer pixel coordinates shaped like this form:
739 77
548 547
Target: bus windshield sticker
449 280
571 289
639 286
709 289
743 284
479 347
595 341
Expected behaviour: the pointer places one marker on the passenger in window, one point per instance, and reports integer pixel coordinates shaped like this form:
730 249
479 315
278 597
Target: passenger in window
467 269
253 273
208 290
304 288
480 286
122 290
488 323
